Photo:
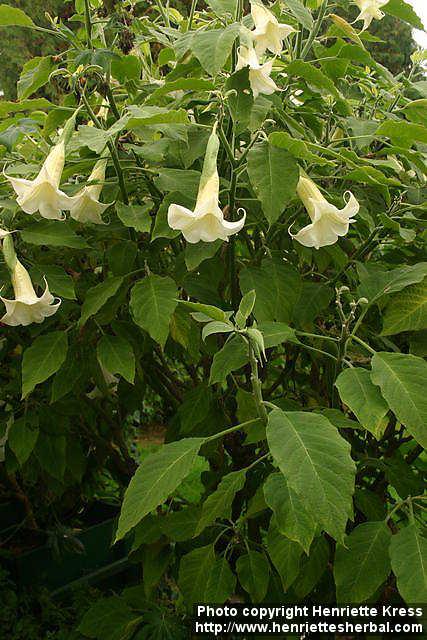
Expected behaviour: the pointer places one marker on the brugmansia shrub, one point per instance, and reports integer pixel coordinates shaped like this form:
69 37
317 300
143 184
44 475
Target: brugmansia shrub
226 216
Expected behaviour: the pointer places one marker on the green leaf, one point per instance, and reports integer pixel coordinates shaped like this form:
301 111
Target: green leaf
50 451
22 437
58 280
253 572
45 356
274 176
219 503
152 303
221 582
403 133
109 619
126 68
135 216
212 48
194 571
7 107
121 257
116 355
194 408
285 555
240 98
416 111
276 333
300 12
245 309
363 398
14 17
316 463
297 148
408 553
363 564
223 7
401 378
182 84
97 296
147 116
277 287
195 254
407 311
313 76
292 518
156 478
312 568
403 10
35 74
207 310
179 525
233 355
54 234
375 283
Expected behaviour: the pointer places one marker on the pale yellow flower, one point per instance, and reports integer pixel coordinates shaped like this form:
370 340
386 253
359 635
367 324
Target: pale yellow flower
43 194
27 307
370 10
206 223
268 33
259 74
327 221
86 206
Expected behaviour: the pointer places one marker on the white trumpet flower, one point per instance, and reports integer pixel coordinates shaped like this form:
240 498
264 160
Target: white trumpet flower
86 206
43 194
268 33
370 10
206 223
27 306
259 74
327 221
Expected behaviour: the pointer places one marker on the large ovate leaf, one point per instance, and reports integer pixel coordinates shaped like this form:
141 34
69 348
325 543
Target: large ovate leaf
221 582
358 392
316 463
401 378
233 355
253 572
116 355
407 311
363 564
156 478
404 11
14 17
277 286
52 233
152 302
194 571
292 518
274 176
219 503
111 619
285 555
375 283
408 553
22 437
97 296
40 361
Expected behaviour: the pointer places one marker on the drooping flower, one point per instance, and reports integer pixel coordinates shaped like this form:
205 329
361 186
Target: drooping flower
27 307
327 221
206 223
43 194
259 74
268 33
86 206
370 10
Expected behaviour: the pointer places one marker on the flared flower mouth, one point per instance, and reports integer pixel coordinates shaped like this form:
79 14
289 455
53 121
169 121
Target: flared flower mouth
328 223
206 222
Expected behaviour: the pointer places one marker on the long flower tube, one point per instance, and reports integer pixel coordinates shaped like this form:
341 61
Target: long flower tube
206 223
259 74
328 223
86 206
27 307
